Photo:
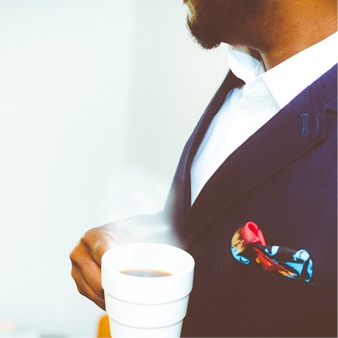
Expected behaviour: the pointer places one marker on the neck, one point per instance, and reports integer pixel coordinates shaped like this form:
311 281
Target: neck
300 24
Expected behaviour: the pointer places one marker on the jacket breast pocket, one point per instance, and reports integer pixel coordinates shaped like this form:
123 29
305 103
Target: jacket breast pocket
265 283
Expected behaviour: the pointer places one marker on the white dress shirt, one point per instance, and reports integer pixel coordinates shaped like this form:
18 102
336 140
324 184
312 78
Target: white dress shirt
247 109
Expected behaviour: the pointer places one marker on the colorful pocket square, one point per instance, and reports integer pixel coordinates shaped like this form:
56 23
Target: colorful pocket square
248 245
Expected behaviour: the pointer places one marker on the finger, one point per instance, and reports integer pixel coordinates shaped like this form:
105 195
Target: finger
86 273
85 290
97 242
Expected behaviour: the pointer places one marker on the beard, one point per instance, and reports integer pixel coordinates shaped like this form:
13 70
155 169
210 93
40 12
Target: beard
229 21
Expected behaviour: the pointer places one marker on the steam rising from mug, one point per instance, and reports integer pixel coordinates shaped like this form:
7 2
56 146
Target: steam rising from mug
137 204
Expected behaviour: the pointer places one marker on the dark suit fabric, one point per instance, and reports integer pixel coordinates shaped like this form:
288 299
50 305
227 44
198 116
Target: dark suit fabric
284 179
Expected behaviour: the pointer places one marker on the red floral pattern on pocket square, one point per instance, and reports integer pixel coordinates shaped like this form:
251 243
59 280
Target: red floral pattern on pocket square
248 245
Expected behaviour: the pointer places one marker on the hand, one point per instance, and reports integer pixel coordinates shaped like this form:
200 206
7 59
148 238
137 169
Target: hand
86 256
86 263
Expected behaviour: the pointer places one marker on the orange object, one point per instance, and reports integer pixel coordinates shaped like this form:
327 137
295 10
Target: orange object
103 330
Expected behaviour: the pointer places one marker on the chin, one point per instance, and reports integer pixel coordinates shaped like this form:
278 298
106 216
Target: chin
204 37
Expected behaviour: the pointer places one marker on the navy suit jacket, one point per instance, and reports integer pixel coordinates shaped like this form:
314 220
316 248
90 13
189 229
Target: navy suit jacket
284 179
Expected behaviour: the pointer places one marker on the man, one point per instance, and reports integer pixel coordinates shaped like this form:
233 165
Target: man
254 195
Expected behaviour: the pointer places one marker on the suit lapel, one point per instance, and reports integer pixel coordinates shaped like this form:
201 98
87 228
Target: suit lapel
289 134
179 200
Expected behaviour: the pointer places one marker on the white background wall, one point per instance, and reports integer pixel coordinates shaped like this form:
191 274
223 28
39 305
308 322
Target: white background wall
97 98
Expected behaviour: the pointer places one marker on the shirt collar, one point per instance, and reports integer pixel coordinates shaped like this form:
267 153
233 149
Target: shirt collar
243 65
302 68
289 78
